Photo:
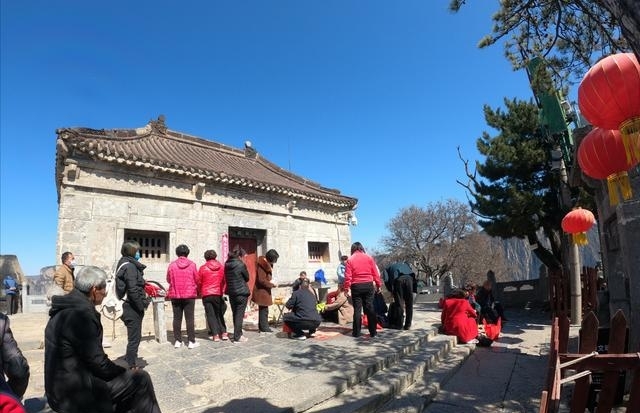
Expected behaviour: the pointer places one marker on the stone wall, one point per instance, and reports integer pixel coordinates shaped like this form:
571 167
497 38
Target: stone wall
98 203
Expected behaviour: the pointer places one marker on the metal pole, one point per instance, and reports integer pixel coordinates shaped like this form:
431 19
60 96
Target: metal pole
575 283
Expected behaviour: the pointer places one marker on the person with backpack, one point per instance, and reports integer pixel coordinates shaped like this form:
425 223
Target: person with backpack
130 289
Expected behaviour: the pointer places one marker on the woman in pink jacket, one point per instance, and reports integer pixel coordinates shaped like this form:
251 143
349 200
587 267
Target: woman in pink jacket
181 276
211 284
362 281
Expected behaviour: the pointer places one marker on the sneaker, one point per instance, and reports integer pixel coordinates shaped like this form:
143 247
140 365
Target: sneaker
242 339
224 336
300 337
178 344
193 344
215 338
266 331
311 335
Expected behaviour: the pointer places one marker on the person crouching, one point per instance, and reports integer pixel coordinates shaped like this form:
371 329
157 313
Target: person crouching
303 314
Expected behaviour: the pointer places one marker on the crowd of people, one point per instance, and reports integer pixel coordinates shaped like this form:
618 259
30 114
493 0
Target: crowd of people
79 375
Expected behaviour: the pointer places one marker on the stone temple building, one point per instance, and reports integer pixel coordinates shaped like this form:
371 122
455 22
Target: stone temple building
164 188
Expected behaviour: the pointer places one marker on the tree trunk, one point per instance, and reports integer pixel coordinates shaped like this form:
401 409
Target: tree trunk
627 13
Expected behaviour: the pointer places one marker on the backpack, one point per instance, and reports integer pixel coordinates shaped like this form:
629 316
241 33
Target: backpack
112 303
395 316
121 286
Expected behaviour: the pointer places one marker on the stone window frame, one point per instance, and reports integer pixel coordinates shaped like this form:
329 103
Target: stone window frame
154 245
318 252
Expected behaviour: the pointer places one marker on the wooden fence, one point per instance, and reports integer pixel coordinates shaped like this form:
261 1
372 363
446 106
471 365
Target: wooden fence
589 363
559 292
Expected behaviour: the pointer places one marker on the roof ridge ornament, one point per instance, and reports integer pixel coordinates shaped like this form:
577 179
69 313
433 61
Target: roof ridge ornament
249 150
158 126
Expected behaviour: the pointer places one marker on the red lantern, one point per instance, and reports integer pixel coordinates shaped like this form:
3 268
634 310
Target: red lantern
577 223
609 97
602 155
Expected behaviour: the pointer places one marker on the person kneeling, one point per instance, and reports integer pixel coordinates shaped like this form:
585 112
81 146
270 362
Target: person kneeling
303 314
78 375
339 308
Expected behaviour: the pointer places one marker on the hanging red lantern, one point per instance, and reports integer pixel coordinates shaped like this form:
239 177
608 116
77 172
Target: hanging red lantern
609 97
577 223
602 155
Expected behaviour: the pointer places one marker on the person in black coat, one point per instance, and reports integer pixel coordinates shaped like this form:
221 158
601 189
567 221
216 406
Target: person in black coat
78 375
490 309
237 276
13 364
136 301
304 314
400 280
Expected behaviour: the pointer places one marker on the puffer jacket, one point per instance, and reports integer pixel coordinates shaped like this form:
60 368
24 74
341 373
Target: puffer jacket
211 279
237 277
132 272
181 276
75 365
12 363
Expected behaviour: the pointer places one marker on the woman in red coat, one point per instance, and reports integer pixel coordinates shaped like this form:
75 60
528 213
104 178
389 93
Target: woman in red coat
459 318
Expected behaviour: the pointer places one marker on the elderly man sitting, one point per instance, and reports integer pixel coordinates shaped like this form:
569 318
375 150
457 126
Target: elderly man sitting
78 375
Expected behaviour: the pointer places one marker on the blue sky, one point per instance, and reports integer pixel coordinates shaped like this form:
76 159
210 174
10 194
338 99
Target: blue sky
369 97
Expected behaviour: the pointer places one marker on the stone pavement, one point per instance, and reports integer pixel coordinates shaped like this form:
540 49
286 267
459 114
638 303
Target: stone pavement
271 373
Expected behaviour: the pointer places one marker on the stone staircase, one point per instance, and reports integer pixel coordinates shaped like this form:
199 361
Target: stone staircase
405 381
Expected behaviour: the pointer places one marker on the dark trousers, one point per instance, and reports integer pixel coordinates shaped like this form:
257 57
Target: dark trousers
184 306
12 303
297 325
362 297
263 318
133 392
238 306
403 296
214 309
133 321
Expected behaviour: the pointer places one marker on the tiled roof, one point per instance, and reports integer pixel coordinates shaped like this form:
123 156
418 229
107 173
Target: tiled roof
157 148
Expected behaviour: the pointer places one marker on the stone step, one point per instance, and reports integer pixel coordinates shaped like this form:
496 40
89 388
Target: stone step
420 394
388 388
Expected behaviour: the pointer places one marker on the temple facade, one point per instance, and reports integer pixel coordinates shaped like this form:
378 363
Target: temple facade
164 188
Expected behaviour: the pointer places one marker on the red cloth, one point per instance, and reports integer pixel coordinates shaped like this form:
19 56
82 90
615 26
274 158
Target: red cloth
365 322
361 268
10 404
492 331
331 297
459 319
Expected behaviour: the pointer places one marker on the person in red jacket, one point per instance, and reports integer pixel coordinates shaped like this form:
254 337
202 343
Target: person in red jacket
211 284
361 282
459 318
183 290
